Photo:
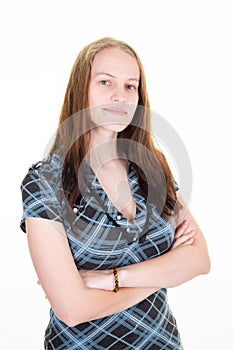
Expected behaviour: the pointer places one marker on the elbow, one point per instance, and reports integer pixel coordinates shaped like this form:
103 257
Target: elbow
205 266
65 312
68 319
71 312
208 266
69 322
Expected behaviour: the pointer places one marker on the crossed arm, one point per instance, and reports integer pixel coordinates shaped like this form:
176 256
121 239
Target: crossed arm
187 259
80 296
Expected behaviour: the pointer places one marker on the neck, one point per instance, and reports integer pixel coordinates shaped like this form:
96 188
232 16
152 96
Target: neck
102 152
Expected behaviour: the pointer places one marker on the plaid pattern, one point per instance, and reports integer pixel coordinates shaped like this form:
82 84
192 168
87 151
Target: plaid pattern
100 237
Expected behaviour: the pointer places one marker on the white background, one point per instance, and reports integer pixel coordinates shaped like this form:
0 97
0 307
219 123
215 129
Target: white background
186 49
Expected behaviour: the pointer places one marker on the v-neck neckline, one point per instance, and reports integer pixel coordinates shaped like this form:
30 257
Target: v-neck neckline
96 183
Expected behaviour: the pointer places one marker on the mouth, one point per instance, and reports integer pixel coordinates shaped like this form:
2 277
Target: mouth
116 111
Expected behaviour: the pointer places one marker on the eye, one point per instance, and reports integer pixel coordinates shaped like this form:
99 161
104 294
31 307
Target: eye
105 82
131 87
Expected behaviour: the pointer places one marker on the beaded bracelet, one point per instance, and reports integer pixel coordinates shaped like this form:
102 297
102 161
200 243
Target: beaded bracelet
116 281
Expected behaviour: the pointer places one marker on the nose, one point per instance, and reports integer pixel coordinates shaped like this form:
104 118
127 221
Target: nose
119 95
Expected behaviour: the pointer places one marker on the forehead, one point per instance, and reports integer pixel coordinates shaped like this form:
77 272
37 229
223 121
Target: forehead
115 60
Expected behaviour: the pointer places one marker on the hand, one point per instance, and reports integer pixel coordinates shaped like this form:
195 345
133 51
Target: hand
184 235
101 279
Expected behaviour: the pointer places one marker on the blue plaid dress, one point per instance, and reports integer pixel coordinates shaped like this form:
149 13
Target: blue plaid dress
100 237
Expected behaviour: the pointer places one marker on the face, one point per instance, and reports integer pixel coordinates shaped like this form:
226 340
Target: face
113 89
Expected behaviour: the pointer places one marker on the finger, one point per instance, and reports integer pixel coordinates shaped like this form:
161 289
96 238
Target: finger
187 236
189 241
184 238
180 230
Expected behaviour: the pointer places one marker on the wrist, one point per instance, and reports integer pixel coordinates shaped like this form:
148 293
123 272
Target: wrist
116 285
122 277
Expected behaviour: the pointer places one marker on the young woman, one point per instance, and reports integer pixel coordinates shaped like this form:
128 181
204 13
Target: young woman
106 230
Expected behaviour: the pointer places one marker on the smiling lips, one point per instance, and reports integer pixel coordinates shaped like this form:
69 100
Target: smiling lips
116 111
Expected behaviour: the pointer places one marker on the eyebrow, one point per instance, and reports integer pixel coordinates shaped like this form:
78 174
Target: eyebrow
113 76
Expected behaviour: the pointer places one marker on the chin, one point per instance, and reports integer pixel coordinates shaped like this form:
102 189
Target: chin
115 127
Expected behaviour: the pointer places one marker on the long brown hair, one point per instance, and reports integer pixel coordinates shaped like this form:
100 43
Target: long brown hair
157 171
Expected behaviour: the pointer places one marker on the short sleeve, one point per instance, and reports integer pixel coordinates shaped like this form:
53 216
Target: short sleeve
39 198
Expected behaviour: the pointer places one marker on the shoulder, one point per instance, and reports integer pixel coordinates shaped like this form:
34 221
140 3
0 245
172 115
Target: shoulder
42 191
48 170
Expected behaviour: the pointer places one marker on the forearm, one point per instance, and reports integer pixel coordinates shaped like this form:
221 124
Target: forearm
187 258
96 303
166 271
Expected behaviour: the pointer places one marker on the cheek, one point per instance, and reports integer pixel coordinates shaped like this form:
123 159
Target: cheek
133 102
133 108
90 99
96 113
95 98
97 95
133 99
137 98
92 96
